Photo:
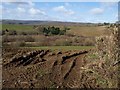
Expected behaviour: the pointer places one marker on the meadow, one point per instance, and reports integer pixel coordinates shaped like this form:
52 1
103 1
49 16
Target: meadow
20 35
75 30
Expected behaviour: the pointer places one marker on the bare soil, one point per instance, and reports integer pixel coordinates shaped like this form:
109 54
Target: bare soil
27 68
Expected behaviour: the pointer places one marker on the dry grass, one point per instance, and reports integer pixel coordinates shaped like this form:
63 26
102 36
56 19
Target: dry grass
87 30
41 40
106 53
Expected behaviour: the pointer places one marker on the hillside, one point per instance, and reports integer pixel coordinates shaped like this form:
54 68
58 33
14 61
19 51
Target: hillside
39 22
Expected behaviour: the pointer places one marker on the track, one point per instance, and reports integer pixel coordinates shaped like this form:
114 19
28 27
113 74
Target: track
44 68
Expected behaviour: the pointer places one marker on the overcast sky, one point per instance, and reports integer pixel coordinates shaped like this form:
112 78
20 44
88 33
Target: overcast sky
61 11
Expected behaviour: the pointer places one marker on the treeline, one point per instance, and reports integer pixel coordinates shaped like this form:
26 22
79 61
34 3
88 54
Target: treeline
52 30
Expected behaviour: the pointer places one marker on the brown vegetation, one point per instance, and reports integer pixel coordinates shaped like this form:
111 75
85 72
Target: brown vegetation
41 40
96 68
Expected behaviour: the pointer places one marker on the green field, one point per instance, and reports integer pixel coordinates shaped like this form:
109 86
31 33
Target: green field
76 30
64 48
17 27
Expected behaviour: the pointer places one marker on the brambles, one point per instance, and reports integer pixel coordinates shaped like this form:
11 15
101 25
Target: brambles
103 62
108 49
108 46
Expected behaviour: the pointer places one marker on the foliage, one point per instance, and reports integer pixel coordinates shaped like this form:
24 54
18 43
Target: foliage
9 32
52 30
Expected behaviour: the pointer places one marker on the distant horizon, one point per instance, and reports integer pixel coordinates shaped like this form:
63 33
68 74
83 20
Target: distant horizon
56 21
90 12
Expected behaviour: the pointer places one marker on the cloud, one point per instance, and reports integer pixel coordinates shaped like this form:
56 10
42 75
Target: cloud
108 4
1 8
67 4
34 11
16 3
27 3
16 0
30 3
62 9
97 11
21 10
59 8
10 0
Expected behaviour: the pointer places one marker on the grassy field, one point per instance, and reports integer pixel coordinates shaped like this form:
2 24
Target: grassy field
17 27
88 30
63 48
76 30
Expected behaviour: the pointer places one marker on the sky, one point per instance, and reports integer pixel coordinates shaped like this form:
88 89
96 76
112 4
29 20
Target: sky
95 12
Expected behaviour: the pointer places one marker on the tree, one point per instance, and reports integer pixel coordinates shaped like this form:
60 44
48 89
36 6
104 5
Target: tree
62 32
51 30
106 23
55 31
46 31
66 28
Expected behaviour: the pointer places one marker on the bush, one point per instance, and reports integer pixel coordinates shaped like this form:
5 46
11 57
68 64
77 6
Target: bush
3 32
66 28
88 42
46 31
55 31
62 32
23 33
29 39
52 30
7 38
21 44
12 32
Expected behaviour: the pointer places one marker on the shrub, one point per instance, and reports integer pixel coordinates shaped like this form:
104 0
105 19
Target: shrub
29 38
46 31
55 31
21 44
62 32
12 32
3 32
88 42
6 39
109 46
23 33
51 30
66 28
